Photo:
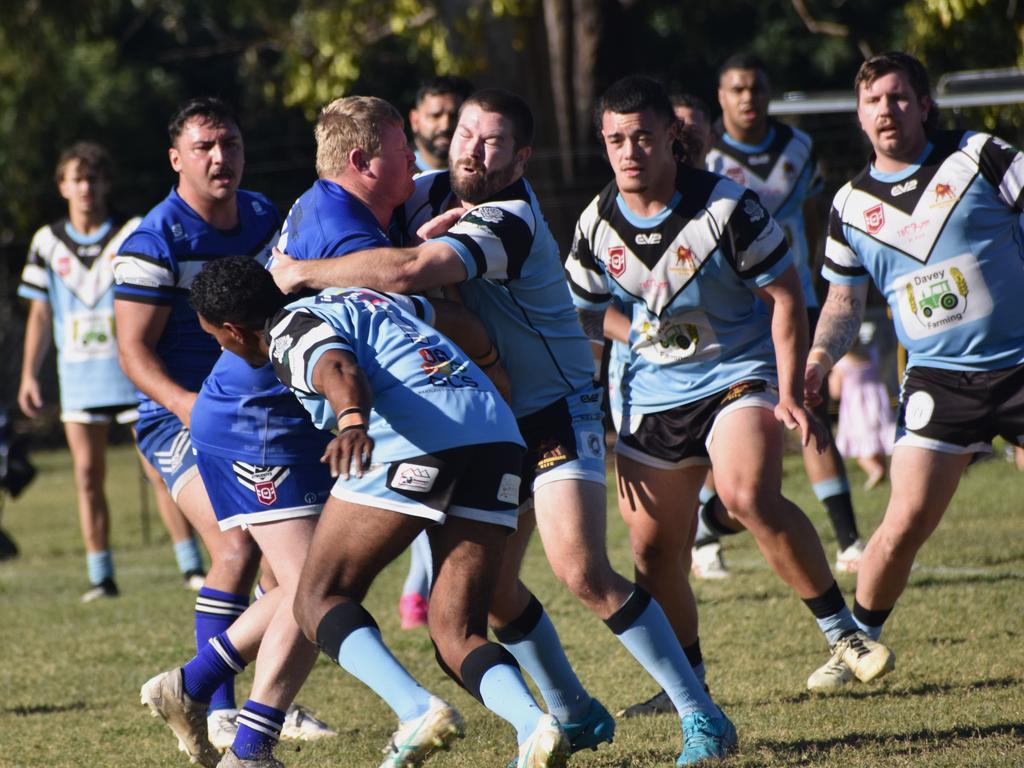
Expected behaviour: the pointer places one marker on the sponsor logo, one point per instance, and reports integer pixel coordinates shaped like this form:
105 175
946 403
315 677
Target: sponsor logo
279 349
942 296
736 174
759 159
945 194
89 251
874 219
744 388
310 498
551 454
508 488
899 189
593 444
617 260
594 398
788 168
913 231
652 239
415 478
754 210
63 265
266 492
263 481
918 412
685 261
178 231
652 284
257 207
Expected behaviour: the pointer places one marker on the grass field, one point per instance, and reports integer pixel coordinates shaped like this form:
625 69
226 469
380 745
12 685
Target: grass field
70 673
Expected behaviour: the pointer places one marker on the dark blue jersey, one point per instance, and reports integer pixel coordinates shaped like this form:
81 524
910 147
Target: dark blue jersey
158 261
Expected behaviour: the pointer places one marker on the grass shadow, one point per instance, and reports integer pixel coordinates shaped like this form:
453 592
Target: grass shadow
45 709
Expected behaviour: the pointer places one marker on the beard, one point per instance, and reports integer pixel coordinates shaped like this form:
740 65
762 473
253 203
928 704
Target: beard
481 185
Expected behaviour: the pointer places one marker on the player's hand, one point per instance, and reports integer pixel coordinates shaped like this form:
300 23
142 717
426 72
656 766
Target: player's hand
30 398
441 223
814 379
183 408
349 453
500 379
796 416
286 272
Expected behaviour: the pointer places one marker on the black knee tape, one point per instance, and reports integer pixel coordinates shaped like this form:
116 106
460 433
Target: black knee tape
524 624
630 611
478 661
338 623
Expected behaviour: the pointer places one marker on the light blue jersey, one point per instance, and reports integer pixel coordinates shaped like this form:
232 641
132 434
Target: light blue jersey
942 241
686 276
516 286
73 273
427 395
784 174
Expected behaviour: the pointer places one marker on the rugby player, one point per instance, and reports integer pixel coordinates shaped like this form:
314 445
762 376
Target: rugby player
777 162
933 220
424 442
689 253
433 119
165 352
495 245
69 282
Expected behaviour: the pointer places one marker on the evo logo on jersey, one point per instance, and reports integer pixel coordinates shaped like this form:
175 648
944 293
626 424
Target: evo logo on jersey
415 478
900 189
942 296
652 239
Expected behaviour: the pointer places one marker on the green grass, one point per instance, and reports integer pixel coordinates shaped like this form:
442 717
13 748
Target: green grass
70 673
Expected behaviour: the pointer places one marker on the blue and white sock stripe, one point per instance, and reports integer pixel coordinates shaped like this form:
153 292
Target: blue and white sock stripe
259 723
211 605
231 659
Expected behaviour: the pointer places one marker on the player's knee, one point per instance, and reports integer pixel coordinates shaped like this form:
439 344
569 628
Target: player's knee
749 501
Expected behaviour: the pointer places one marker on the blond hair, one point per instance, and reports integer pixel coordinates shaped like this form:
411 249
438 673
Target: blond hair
351 122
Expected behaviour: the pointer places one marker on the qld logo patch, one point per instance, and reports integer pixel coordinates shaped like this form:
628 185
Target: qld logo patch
874 219
262 481
617 260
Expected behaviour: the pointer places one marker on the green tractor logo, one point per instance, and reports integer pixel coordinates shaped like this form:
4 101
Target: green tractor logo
939 294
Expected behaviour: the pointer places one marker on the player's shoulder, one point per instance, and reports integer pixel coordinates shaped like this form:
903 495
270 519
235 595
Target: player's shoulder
257 204
47 234
842 195
794 136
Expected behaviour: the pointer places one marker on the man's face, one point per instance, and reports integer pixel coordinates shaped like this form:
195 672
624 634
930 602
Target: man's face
433 124
743 96
244 344
393 169
698 122
85 189
893 116
209 159
639 147
484 159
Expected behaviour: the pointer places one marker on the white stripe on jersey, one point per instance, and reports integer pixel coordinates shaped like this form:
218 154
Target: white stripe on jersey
129 270
298 350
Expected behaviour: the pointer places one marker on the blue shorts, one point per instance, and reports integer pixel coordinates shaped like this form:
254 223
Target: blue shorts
246 494
477 482
167 445
564 441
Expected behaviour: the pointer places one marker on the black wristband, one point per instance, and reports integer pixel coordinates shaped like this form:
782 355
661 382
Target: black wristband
347 411
343 430
494 362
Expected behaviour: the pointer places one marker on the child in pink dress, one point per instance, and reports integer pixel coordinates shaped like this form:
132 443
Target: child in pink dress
866 425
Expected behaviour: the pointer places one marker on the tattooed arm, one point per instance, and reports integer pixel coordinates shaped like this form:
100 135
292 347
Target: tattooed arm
838 325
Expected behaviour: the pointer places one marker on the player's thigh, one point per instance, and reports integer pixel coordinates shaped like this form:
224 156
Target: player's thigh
658 504
746 451
284 544
572 520
923 482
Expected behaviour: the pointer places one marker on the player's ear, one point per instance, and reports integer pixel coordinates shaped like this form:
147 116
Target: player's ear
359 160
522 156
175 157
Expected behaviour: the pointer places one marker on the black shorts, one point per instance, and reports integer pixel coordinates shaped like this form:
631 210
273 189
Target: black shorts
960 411
680 436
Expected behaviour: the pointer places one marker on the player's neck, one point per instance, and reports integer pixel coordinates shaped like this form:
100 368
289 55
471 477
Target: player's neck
652 200
432 161
753 135
219 214
87 222
896 162
382 210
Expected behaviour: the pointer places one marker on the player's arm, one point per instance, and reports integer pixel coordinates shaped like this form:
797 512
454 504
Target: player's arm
401 270
465 329
38 331
838 325
139 327
338 377
784 297
616 325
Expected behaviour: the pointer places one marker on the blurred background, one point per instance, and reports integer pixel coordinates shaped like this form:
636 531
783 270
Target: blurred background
113 71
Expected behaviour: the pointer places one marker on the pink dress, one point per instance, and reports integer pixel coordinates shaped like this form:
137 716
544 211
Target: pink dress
866 425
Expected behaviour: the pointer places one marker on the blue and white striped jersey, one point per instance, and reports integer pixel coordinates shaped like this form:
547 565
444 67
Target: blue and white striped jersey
686 277
74 274
157 263
784 173
516 286
942 241
428 395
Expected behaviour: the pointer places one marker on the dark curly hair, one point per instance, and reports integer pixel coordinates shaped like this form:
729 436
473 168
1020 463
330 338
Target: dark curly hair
208 109
236 289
